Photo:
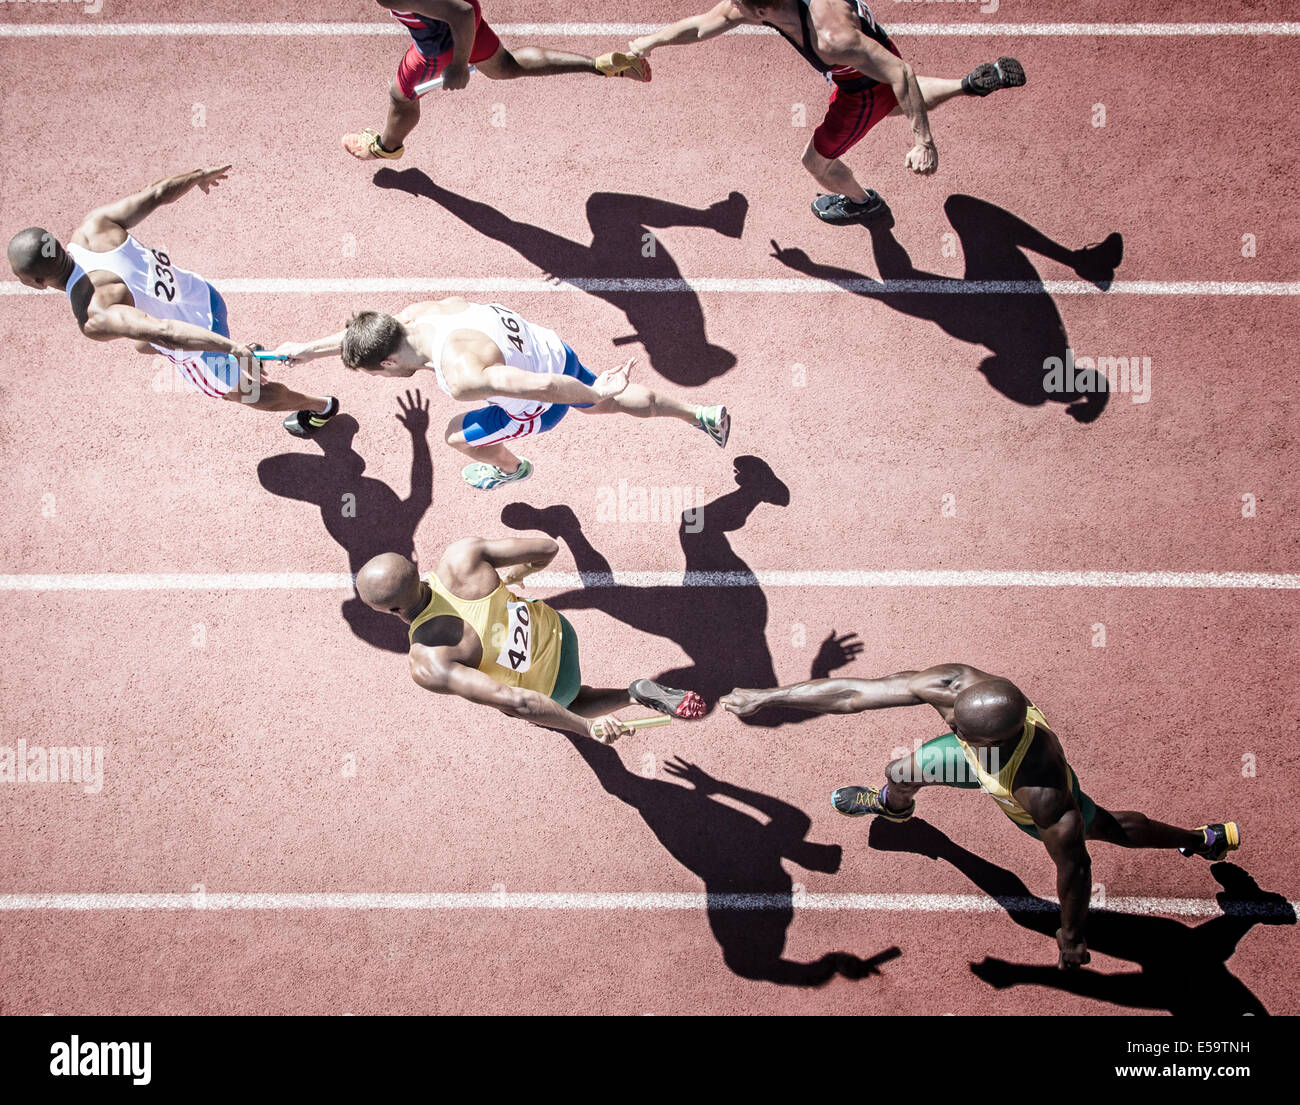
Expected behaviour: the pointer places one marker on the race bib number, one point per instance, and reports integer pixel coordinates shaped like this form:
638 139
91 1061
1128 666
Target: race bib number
512 324
517 650
162 280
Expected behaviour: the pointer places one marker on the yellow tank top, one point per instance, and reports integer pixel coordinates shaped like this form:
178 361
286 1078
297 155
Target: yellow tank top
998 783
521 638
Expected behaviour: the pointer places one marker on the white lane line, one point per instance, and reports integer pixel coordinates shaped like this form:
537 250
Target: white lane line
337 581
626 901
799 285
597 30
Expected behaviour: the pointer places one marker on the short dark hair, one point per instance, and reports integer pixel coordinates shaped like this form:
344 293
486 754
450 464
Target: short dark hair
370 339
35 252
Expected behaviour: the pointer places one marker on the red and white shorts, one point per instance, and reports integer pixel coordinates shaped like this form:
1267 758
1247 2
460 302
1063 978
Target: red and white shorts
416 68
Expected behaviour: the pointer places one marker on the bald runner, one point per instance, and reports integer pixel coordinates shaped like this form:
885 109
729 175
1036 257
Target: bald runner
118 287
999 742
472 636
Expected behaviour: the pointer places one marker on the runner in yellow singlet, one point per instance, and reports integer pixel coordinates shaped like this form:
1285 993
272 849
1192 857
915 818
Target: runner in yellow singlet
999 743
474 637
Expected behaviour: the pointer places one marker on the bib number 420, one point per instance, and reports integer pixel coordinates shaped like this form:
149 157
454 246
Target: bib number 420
517 650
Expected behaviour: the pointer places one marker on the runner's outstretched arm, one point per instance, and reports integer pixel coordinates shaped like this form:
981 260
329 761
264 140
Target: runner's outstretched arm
841 42
696 28
123 321
470 379
1060 824
851 696
476 686
130 210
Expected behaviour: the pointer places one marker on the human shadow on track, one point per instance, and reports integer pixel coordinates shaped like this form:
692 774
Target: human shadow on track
1182 968
723 629
375 520
1021 329
738 856
669 324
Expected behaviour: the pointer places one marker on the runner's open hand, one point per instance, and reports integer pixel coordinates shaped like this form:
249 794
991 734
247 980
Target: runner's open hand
613 382
212 177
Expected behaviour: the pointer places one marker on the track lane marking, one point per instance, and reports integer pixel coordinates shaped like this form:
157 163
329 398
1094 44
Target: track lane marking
720 285
904 577
622 901
589 30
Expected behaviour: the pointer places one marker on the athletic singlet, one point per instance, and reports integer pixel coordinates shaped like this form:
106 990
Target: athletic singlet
998 785
520 639
432 36
524 345
850 79
159 288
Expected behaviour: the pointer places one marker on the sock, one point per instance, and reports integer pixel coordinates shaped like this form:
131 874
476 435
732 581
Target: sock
319 418
380 143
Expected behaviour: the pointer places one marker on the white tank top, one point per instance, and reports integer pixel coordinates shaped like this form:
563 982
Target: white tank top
159 288
523 344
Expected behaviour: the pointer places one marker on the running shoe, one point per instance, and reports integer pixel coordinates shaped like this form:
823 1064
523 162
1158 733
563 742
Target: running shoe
667 700
309 423
714 421
1219 841
992 75
860 801
487 477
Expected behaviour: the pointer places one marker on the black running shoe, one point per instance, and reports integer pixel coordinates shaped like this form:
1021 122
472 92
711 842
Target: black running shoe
307 423
839 210
992 75
860 801
667 700
1219 841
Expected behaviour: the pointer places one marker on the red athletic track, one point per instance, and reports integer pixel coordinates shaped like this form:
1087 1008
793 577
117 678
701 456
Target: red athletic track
223 763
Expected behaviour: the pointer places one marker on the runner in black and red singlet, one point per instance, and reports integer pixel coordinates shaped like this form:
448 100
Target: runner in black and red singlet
448 37
869 80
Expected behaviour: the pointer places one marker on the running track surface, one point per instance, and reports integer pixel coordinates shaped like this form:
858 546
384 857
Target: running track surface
270 742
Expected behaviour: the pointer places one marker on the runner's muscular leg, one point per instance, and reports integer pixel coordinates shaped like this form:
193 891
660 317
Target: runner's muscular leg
833 175
403 114
641 402
935 91
533 61
1130 829
496 454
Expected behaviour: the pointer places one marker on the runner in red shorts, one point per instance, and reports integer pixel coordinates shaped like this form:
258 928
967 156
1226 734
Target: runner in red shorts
450 36
869 79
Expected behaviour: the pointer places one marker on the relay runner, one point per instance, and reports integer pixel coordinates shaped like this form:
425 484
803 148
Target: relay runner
473 637
119 288
528 377
450 36
999 743
868 77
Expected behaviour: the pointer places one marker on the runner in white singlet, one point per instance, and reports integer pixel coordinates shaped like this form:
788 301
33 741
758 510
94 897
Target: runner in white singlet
119 288
485 353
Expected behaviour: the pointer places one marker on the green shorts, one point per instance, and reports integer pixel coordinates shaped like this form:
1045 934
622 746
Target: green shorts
568 680
943 762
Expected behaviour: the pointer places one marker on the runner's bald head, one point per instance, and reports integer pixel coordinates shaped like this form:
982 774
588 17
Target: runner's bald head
990 711
36 256
390 583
